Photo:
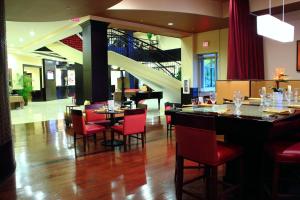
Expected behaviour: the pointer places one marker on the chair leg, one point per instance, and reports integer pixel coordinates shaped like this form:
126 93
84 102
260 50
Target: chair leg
104 136
167 130
129 141
95 139
75 144
213 184
84 143
275 182
143 139
125 142
112 138
179 178
145 134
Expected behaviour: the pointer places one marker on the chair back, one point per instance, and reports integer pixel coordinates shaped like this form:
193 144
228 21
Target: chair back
168 117
134 121
78 122
196 144
91 116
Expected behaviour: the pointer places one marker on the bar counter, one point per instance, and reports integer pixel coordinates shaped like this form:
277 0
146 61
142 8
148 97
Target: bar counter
251 129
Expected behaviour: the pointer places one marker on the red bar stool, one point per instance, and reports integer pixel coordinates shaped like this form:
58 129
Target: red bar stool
201 146
168 122
84 130
134 124
282 153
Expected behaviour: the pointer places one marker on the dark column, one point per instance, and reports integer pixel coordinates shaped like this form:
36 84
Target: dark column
49 67
7 160
96 73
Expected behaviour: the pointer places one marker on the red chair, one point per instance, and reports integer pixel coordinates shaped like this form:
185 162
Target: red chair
84 130
283 153
168 122
95 118
201 146
134 124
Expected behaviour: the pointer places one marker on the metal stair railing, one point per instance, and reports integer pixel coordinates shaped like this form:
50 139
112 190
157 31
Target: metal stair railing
139 50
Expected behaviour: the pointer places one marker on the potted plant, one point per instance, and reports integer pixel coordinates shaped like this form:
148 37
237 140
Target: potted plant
26 82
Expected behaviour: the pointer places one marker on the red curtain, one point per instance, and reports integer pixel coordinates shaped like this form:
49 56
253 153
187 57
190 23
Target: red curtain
245 47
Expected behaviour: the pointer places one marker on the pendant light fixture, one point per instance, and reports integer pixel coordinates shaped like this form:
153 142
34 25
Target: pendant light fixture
274 28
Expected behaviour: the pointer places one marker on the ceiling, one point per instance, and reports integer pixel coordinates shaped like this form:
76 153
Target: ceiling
187 22
189 16
54 10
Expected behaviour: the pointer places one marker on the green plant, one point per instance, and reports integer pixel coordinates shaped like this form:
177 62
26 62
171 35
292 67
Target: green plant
149 35
26 82
178 75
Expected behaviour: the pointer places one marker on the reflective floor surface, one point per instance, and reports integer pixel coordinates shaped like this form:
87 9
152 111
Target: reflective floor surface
47 168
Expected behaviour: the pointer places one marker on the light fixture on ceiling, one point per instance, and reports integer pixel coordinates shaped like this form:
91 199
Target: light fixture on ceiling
170 24
273 28
21 40
32 33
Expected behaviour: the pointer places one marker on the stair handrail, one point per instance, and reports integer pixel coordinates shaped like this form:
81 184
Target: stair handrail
125 37
148 44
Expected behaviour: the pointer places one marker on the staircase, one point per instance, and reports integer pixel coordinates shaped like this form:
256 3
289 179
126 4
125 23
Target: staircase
144 61
125 44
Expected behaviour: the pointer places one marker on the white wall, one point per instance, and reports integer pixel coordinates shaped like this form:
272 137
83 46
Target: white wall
16 62
164 42
277 54
35 75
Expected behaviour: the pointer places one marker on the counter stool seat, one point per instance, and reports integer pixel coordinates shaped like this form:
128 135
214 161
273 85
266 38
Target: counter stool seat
282 153
201 146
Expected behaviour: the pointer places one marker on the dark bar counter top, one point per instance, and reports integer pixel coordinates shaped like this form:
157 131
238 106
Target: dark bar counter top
252 128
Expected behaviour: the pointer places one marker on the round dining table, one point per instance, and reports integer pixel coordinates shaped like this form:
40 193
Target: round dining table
112 115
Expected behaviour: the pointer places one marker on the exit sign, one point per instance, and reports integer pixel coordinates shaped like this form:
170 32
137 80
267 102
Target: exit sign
205 44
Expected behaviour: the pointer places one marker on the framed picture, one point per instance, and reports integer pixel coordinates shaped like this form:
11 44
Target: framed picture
298 56
186 86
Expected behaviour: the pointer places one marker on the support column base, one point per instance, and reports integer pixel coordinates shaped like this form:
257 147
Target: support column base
7 161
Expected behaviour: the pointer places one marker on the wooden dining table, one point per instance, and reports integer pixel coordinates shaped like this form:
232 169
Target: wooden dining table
251 128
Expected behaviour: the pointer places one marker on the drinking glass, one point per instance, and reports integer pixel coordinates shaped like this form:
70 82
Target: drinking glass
268 100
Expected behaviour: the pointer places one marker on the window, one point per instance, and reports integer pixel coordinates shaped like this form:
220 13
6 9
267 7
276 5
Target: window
208 72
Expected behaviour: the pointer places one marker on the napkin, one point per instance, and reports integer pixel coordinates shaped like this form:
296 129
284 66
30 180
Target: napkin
283 111
294 106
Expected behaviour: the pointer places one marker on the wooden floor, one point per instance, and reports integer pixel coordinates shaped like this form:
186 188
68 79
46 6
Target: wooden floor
47 168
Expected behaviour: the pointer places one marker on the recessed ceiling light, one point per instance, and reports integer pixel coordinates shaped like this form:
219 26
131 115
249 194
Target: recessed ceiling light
170 24
32 33
21 40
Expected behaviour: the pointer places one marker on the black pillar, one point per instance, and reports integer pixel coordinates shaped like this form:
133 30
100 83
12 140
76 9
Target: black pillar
96 73
7 160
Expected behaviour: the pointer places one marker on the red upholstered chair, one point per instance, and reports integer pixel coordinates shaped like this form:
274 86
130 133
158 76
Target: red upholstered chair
283 153
94 118
201 146
134 124
168 121
84 130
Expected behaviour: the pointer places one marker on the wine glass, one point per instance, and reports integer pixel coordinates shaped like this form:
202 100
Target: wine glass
296 94
262 94
213 98
237 100
288 96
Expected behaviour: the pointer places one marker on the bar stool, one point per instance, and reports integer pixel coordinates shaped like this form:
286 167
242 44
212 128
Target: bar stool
201 146
168 122
282 153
